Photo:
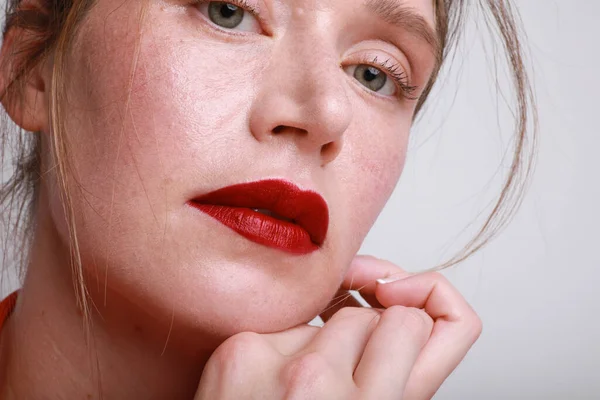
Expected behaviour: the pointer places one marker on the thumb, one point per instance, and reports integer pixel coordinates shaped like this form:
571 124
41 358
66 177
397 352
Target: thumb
362 276
365 270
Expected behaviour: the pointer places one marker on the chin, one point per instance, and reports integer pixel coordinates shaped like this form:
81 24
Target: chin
242 298
205 328
230 285
203 303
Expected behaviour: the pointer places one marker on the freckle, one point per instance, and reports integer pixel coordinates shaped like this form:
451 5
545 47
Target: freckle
138 329
43 313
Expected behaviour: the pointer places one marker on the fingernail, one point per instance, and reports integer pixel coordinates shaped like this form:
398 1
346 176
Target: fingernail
393 278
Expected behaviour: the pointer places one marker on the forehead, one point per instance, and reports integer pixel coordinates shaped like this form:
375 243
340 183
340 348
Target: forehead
424 8
414 16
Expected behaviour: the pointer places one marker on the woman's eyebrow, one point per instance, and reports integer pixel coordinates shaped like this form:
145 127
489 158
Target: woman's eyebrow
394 12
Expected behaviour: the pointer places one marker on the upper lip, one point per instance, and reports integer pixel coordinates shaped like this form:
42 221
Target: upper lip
306 209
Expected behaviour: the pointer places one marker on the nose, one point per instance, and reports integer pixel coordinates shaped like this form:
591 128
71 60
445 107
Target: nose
301 96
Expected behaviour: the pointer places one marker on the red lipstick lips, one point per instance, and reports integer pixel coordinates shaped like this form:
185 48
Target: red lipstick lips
273 213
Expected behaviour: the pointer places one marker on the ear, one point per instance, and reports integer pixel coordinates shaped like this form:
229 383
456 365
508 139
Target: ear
26 102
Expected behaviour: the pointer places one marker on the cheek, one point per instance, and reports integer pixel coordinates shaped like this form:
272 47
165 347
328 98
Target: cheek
165 133
373 159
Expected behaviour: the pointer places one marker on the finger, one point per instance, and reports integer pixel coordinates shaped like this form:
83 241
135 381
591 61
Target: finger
292 340
235 360
391 352
455 330
345 299
364 272
343 338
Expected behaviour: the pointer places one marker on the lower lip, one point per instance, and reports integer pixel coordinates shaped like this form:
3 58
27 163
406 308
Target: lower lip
262 229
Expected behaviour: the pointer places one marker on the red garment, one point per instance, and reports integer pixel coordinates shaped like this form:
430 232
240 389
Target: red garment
6 307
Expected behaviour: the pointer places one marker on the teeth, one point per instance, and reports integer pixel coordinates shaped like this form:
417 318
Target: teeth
263 211
270 214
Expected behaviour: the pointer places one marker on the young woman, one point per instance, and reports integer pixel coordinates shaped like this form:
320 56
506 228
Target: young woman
193 181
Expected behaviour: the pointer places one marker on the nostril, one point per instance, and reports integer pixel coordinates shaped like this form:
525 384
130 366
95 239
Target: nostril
330 151
278 129
327 148
285 128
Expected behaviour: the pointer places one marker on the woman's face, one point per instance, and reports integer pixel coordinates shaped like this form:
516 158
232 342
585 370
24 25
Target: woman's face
203 96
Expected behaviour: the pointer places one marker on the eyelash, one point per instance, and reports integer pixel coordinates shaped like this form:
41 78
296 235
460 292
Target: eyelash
245 5
239 3
396 72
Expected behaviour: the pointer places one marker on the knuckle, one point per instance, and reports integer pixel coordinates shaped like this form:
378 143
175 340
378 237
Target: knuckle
416 322
462 312
439 278
474 327
242 343
470 323
307 372
233 355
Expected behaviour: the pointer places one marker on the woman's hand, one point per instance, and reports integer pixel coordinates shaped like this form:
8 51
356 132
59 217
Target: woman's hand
400 352
360 353
456 326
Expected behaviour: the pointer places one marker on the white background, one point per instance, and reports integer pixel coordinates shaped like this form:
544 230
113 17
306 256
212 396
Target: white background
536 287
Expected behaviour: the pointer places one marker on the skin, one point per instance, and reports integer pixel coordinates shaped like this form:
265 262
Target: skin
168 284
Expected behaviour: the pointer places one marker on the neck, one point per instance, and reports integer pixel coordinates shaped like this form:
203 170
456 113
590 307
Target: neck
116 352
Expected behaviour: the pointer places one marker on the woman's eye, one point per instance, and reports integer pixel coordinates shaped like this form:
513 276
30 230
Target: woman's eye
229 16
373 79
